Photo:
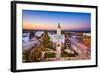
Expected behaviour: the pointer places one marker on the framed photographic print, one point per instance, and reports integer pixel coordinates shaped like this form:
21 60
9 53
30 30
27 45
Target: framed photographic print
47 36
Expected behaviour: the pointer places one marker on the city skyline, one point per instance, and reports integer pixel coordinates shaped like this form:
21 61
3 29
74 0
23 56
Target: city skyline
48 20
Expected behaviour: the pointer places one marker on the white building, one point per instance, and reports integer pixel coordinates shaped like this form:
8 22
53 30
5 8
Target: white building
59 41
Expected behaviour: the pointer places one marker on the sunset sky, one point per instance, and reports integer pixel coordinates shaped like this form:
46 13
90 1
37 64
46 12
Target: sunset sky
48 20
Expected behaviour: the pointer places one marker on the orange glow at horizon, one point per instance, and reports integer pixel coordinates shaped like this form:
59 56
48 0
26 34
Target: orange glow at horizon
39 26
35 26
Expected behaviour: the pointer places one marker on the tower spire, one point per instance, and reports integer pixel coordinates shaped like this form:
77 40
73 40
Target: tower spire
59 25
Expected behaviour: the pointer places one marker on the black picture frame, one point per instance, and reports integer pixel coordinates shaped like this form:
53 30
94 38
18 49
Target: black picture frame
13 35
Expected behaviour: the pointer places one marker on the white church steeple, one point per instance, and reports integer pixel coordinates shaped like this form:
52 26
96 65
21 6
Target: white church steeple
59 30
58 43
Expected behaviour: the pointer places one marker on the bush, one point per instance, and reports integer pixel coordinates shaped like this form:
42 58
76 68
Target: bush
65 54
25 56
50 55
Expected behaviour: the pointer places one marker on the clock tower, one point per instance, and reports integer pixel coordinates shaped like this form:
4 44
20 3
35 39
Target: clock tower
58 43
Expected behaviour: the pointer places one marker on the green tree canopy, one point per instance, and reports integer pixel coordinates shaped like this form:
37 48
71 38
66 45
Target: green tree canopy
46 40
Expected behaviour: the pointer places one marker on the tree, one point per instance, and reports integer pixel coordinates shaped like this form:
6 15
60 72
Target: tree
80 36
31 35
25 56
46 40
35 54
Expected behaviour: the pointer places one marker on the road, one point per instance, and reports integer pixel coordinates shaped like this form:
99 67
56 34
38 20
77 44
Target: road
82 50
